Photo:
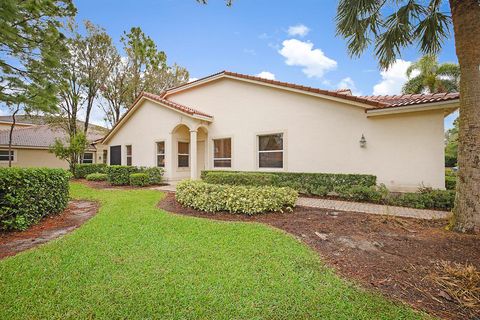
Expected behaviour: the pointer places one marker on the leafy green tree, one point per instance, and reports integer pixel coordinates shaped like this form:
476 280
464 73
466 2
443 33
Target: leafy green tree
392 25
30 48
433 77
71 150
451 145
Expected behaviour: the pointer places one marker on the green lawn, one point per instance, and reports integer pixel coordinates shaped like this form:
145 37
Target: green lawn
133 261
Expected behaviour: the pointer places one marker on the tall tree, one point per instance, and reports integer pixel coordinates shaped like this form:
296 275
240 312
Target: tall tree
432 77
144 68
396 24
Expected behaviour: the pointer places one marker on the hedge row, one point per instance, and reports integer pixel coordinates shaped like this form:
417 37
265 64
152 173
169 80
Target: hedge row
235 199
306 183
84 169
27 195
120 175
96 177
450 179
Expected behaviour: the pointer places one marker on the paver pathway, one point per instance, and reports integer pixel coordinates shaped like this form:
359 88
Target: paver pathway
370 208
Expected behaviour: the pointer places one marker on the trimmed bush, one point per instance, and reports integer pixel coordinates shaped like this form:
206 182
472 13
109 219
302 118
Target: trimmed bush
307 183
139 179
241 179
84 169
450 179
155 175
27 195
364 194
235 199
431 199
96 177
120 175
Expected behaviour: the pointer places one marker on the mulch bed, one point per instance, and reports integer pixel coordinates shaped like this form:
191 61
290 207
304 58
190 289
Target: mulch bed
49 228
393 255
106 185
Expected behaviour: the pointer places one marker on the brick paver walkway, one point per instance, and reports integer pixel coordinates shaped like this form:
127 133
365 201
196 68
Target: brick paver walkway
370 208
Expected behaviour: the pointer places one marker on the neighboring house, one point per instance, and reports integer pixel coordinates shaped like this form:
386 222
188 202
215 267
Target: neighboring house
31 141
230 121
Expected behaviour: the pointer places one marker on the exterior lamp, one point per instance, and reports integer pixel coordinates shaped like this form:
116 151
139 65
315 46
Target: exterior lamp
363 142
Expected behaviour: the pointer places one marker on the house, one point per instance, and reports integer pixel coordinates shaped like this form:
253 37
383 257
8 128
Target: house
231 121
31 141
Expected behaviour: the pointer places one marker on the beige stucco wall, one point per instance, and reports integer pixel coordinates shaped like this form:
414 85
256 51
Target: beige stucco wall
26 158
403 151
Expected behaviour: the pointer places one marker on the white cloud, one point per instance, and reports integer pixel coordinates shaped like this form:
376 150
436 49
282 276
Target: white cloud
348 83
300 53
393 78
266 75
298 30
192 79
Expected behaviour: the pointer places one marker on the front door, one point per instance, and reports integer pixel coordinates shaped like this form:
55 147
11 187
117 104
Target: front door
115 155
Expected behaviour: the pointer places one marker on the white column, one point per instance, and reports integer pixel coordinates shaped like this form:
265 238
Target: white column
193 154
170 149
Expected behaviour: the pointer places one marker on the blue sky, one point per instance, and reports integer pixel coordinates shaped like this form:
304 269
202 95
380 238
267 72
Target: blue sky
253 37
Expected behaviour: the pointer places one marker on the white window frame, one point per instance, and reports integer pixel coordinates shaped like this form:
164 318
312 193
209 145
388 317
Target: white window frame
183 154
283 150
83 157
129 156
231 153
164 154
14 153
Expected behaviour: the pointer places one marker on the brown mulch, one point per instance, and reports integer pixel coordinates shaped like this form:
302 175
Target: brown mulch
396 256
49 228
107 185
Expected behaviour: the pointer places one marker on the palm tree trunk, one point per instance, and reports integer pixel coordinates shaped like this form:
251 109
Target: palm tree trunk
466 22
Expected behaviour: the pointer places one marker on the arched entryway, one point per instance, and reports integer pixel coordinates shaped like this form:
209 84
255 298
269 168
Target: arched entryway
189 151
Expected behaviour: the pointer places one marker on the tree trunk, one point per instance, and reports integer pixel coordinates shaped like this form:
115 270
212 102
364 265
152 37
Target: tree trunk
466 22
10 135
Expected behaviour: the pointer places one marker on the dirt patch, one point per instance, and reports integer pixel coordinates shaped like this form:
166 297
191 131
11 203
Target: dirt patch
47 229
393 255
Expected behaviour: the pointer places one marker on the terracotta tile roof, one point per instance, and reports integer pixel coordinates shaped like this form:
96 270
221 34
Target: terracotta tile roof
376 102
172 104
40 136
393 101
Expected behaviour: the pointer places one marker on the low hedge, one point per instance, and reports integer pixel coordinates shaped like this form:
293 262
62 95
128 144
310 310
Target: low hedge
84 169
235 199
96 177
120 175
306 183
450 179
27 195
139 179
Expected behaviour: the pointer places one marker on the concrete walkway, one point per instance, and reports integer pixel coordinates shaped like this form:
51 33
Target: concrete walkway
370 208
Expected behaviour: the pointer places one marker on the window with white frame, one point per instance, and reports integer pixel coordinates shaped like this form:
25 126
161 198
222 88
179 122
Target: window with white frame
183 154
270 150
222 153
5 157
161 154
129 155
87 157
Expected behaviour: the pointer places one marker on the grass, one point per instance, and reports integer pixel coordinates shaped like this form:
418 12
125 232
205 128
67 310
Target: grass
134 261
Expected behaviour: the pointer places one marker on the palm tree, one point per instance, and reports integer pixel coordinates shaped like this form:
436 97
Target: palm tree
396 24
433 77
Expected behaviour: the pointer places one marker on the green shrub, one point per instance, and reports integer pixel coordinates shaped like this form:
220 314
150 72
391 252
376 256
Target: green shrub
236 199
84 169
450 179
27 195
361 193
139 179
431 199
241 179
120 175
302 182
155 175
96 177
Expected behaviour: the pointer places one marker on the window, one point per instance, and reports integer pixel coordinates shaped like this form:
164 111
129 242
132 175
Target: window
105 156
270 151
129 155
222 153
87 157
4 155
183 152
161 154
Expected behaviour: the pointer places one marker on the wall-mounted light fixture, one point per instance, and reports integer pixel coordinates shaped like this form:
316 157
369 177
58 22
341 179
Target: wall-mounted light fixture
363 142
